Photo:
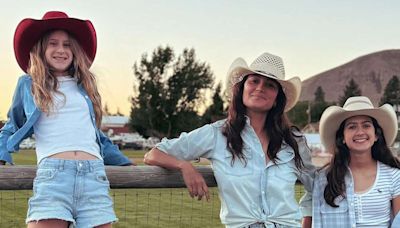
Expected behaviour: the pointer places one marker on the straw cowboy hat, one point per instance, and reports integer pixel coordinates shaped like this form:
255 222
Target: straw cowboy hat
333 116
29 31
270 66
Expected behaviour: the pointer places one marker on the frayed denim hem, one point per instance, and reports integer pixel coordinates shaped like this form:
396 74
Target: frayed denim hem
99 223
28 220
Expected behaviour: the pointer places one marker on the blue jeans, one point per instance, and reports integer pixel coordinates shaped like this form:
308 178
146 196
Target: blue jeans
76 191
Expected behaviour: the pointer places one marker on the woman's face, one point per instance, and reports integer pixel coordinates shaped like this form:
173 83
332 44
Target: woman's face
58 53
259 93
359 134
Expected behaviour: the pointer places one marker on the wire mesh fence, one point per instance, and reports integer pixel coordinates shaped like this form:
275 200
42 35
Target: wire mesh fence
148 208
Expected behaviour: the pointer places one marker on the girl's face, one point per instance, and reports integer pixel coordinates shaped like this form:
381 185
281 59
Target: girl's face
259 93
359 134
58 53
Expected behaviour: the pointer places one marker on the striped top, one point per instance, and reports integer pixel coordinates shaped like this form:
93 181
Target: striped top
369 209
373 206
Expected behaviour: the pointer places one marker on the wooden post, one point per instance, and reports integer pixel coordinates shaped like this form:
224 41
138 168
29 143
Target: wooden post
21 177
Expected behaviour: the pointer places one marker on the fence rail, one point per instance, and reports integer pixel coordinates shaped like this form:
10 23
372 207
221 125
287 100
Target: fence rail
21 177
143 196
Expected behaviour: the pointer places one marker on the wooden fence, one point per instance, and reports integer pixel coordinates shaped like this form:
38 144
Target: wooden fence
21 177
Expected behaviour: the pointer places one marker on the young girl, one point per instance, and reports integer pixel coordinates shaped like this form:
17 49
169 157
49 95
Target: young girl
361 186
256 155
59 102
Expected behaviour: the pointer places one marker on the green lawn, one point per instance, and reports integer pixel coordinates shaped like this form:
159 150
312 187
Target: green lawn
134 207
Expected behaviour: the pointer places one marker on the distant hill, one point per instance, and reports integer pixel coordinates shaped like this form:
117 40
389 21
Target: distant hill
371 72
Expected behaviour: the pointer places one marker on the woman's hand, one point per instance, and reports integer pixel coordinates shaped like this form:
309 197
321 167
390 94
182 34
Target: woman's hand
194 181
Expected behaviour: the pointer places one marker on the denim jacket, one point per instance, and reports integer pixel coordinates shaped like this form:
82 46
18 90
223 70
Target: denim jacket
255 191
24 113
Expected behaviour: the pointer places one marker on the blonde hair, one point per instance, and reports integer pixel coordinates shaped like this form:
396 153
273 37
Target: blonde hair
45 82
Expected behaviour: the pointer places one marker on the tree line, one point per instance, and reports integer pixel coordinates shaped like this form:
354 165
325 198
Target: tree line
170 93
310 111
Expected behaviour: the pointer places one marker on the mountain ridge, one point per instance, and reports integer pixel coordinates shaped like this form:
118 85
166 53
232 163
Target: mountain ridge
371 72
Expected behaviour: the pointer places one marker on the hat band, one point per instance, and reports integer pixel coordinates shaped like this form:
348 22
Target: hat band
263 72
358 101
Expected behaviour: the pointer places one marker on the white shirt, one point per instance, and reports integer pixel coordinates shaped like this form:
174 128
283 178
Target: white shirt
376 214
255 192
373 207
68 127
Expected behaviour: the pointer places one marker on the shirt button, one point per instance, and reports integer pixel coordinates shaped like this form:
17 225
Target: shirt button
86 97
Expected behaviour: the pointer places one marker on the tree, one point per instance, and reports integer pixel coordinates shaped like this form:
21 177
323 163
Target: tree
392 92
319 95
298 114
319 105
169 92
216 110
351 90
106 110
118 113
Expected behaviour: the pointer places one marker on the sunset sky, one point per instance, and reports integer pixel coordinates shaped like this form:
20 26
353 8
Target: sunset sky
310 36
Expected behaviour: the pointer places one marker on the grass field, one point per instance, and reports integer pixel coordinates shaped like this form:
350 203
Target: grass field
134 207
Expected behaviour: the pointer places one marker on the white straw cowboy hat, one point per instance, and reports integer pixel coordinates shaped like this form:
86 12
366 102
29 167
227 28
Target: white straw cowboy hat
333 116
270 66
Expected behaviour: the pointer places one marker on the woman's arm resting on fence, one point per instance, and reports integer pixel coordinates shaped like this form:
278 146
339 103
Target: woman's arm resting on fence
193 179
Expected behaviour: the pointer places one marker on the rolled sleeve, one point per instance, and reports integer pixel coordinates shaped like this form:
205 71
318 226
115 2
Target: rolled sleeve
111 154
189 146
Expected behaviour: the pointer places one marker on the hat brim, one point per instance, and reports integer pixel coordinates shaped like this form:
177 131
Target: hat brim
333 116
29 31
291 87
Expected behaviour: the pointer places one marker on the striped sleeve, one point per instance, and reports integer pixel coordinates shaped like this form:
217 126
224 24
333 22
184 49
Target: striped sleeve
395 182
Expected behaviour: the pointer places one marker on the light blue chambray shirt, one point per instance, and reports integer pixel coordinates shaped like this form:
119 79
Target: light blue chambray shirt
257 192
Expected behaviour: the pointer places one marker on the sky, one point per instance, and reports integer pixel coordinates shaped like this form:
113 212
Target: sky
311 36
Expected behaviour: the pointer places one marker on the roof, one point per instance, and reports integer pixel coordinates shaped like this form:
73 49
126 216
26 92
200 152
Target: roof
114 120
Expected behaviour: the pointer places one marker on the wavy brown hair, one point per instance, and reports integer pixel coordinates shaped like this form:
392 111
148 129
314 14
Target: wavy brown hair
277 126
45 82
337 169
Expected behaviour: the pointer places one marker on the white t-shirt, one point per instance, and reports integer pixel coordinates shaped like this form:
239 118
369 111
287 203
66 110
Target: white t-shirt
69 126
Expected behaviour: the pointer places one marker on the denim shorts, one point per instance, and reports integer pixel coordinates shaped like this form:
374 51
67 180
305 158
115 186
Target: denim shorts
76 191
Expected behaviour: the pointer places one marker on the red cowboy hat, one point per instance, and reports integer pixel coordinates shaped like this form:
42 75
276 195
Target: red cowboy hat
29 31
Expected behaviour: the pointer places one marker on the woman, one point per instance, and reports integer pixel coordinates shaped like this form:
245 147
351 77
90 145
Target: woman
59 102
256 155
361 186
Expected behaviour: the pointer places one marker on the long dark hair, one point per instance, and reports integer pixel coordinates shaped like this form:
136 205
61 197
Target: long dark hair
277 126
337 169
45 82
